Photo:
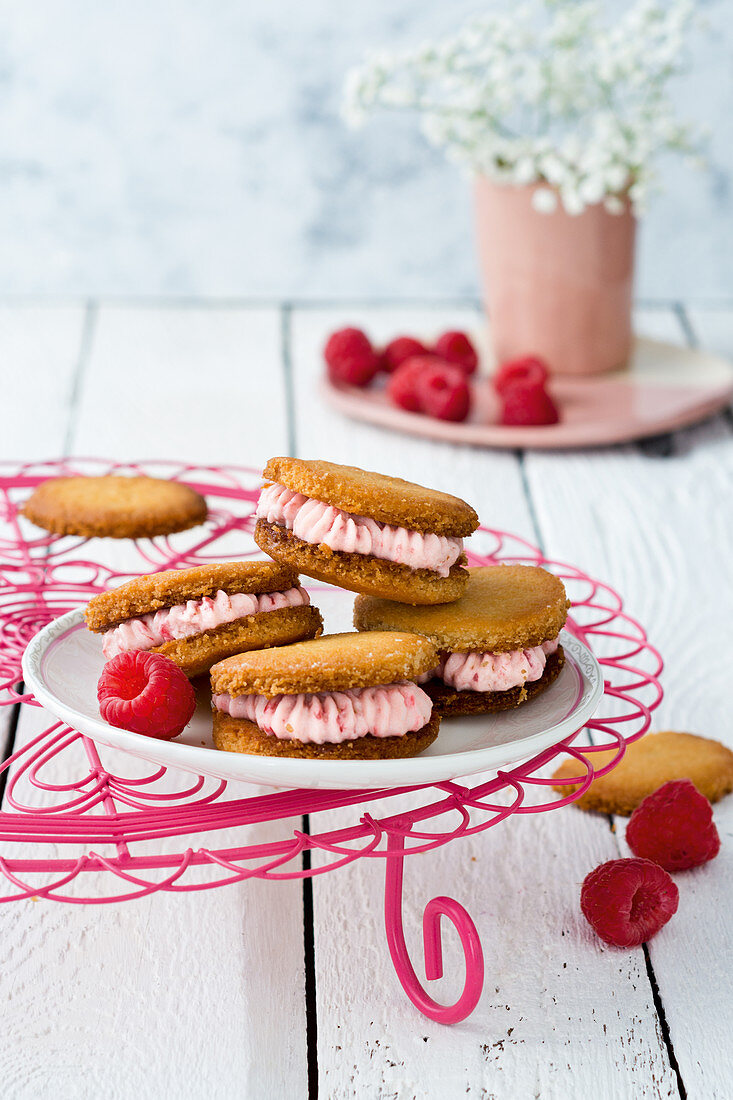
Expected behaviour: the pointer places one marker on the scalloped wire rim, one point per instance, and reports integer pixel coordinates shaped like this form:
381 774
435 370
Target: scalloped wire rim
113 825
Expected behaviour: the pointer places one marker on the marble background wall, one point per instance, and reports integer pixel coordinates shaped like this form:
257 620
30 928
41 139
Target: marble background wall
180 147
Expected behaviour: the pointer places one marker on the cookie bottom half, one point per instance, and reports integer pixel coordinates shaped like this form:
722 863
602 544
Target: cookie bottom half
241 735
360 572
196 654
450 703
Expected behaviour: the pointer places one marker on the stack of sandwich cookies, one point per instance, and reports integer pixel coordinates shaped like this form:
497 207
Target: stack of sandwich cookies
343 696
199 616
498 644
364 531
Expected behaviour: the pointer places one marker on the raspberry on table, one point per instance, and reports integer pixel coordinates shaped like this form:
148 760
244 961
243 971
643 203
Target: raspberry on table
627 901
402 385
456 348
527 405
674 827
528 369
399 350
350 357
443 392
146 693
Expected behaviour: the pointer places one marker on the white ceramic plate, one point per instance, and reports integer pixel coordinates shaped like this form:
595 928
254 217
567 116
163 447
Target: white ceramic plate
62 665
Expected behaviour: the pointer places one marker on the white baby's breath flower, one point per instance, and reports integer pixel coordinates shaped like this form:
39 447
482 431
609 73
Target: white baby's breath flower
550 92
544 200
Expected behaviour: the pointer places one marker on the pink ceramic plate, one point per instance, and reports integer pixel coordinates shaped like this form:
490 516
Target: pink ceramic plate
664 388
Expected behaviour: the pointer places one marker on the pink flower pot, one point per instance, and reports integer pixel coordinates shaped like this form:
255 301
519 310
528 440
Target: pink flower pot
556 285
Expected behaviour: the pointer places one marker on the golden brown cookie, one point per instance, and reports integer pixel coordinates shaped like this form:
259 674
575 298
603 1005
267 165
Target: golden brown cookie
648 763
239 735
502 608
450 703
172 586
114 507
385 499
360 572
335 662
196 653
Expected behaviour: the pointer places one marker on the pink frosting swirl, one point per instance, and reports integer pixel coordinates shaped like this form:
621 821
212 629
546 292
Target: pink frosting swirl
315 522
194 617
330 717
492 671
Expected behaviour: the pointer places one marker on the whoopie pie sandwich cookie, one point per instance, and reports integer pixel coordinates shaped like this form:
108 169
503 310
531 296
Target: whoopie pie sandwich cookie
200 616
363 531
498 644
343 696
114 507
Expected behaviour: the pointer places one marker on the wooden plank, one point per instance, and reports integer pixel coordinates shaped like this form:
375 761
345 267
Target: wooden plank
659 529
165 995
556 1006
40 350
201 384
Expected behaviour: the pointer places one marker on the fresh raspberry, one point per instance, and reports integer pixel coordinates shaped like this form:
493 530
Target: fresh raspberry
145 693
402 385
528 370
455 347
443 392
674 827
400 349
350 357
527 405
627 901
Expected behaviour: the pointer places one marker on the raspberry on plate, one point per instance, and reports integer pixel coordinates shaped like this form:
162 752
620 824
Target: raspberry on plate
456 348
674 827
529 370
443 392
146 693
627 901
350 357
402 385
399 350
527 405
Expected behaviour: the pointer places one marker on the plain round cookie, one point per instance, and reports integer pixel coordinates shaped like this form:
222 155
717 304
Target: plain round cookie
383 498
502 608
241 735
360 572
174 586
335 662
114 507
451 703
196 654
648 763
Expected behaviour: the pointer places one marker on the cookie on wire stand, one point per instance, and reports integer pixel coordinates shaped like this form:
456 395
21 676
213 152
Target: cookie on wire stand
498 644
363 531
344 696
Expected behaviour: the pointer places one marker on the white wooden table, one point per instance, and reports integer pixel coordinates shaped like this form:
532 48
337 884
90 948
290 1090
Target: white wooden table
212 994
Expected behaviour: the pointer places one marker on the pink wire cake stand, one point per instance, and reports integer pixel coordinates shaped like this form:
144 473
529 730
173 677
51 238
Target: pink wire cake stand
104 836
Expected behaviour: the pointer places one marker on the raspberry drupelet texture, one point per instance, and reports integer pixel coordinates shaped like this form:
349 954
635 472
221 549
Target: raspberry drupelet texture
529 370
527 404
350 357
456 348
145 693
443 392
399 351
674 827
627 901
402 386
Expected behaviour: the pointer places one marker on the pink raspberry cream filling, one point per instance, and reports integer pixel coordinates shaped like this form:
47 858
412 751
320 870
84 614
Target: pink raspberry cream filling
492 671
317 523
330 717
194 617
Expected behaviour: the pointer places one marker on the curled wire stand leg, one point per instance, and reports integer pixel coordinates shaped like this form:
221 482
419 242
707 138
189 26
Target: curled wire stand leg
434 910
